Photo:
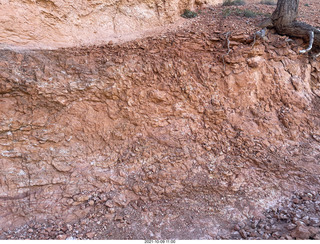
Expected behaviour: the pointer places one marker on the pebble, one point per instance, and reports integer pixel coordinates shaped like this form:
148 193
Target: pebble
109 204
314 221
237 227
243 234
90 235
61 237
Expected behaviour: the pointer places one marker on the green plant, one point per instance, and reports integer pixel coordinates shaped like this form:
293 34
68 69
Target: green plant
268 2
188 14
249 14
239 12
233 3
307 5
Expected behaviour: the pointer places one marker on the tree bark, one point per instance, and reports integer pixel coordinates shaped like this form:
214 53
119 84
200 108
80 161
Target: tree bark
284 21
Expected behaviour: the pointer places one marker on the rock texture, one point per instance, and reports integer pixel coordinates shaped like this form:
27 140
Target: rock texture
59 23
166 137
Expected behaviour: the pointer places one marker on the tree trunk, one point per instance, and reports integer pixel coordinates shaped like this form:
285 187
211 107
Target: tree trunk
285 13
284 21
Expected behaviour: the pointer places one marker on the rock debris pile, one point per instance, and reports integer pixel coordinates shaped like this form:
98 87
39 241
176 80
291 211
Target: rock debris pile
295 219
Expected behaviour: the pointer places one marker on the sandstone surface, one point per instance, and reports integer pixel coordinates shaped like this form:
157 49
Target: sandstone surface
59 23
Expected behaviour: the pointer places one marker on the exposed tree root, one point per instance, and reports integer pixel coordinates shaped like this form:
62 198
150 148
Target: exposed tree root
311 40
261 33
228 46
284 21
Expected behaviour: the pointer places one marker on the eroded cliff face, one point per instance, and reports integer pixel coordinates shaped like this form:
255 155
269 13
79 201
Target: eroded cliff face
169 122
57 23
166 137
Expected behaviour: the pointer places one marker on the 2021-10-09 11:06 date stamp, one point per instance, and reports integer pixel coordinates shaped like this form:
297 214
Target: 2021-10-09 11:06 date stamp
160 241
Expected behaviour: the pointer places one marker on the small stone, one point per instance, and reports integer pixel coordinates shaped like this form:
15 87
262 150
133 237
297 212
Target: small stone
287 237
70 228
291 226
109 204
283 217
237 227
275 235
301 232
90 235
306 220
255 61
265 236
242 225
91 202
313 231
71 238
314 221
317 237
61 237
307 197
243 234
30 230
253 234
300 223
296 201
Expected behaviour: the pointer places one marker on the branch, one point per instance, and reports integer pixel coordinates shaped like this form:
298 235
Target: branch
311 39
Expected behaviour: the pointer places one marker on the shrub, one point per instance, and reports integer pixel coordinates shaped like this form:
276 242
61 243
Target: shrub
249 14
233 3
239 12
188 14
268 2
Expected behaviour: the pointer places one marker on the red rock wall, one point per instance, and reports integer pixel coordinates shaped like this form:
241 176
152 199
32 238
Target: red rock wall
159 118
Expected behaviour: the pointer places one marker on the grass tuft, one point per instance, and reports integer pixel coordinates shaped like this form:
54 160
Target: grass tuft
188 14
233 3
268 2
239 12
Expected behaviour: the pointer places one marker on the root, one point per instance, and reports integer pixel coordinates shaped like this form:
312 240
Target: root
311 40
261 33
228 42
228 45
316 56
